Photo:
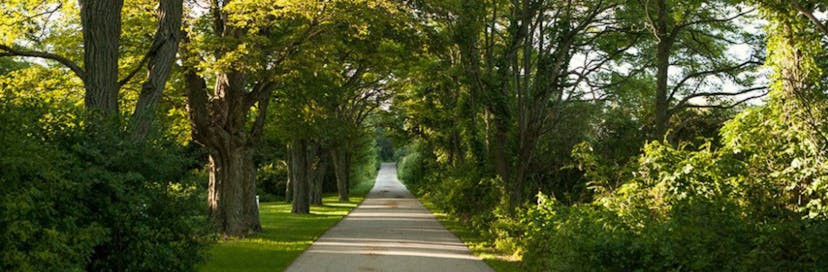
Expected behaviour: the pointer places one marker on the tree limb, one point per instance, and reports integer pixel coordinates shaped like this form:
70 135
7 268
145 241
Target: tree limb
8 51
684 103
678 28
810 16
710 72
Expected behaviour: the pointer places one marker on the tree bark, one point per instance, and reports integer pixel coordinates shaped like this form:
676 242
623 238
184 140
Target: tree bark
223 119
160 60
317 175
664 47
341 158
299 177
501 161
219 125
101 27
232 194
289 183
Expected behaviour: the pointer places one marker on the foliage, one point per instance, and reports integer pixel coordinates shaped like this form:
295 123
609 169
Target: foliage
502 103
384 146
411 170
366 162
78 197
685 210
477 242
755 203
35 189
271 179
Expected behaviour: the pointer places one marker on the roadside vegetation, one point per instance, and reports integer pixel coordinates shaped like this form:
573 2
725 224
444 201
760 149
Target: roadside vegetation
598 135
625 135
499 260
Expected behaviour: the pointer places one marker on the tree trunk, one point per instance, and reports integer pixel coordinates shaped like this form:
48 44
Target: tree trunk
348 158
317 176
101 24
341 158
223 118
160 59
499 148
662 118
232 191
299 177
665 46
217 125
318 179
518 186
339 173
520 172
289 183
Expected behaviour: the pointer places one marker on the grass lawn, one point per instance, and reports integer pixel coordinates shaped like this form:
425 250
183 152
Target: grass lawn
479 246
284 235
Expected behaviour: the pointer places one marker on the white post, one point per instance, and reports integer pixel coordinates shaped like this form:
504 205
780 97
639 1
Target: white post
257 202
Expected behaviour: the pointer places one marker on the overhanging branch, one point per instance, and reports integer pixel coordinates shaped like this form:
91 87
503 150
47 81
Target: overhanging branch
8 51
810 16
685 102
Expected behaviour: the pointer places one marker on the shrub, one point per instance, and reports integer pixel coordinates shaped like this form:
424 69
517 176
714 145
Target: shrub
41 223
684 211
365 162
87 197
271 179
412 169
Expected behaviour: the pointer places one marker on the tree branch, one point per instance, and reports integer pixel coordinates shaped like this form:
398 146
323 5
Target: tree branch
258 126
8 51
711 21
151 52
710 72
684 103
810 16
160 60
737 103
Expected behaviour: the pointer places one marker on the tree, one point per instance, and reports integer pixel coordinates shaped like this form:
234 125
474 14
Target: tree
529 77
334 86
365 80
241 46
101 28
690 39
784 142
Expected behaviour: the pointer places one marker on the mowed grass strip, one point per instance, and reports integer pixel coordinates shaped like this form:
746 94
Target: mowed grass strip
284 237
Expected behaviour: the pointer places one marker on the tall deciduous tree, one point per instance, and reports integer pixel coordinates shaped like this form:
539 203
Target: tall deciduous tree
100 23
335 85
687 50
527 77
241 53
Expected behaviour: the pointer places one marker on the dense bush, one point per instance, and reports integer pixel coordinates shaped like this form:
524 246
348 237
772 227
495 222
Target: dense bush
365 161
39 218
78 197
686 210
461 192
271 179
411 169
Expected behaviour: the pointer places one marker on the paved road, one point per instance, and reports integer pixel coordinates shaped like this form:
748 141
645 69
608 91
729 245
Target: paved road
389 231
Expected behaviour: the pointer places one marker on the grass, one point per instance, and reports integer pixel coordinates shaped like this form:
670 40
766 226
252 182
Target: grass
284 237
481 247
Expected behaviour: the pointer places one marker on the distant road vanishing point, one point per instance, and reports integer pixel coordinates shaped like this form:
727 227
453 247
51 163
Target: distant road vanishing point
389 231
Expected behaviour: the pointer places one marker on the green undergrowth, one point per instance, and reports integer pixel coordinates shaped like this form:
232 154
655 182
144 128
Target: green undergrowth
284 237
498 260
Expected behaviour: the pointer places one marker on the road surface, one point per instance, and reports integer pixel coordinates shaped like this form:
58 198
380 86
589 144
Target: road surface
389 231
